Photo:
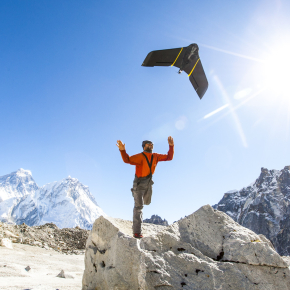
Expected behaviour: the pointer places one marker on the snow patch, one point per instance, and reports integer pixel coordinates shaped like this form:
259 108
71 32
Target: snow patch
23 173
232 191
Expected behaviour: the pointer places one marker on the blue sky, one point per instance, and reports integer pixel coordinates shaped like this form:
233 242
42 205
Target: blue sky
71 84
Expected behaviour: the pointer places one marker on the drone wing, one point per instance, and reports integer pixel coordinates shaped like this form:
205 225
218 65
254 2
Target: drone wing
185 60
197 75
165 57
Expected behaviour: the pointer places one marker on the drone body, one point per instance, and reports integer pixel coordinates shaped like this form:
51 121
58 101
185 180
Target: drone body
186 59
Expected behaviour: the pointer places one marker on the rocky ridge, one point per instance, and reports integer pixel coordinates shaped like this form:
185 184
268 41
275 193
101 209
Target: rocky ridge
206 250
48 236
263 207
157 220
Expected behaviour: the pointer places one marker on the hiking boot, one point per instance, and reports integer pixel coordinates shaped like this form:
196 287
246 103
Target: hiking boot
138 236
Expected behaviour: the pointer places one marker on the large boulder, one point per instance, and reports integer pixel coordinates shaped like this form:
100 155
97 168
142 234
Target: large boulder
206 250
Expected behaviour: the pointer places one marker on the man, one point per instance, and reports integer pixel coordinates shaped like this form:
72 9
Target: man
145 163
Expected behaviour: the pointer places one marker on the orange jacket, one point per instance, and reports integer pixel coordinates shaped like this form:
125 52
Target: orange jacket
142 168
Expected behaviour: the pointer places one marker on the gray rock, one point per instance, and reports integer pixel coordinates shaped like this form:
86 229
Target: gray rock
206 250
62 274
217 236
286 259
6 243
28 268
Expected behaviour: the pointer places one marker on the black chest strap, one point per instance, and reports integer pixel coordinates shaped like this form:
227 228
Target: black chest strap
149 164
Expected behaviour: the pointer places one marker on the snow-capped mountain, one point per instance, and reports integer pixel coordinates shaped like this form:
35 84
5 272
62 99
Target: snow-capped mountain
17 184
14 186
263 207
66 203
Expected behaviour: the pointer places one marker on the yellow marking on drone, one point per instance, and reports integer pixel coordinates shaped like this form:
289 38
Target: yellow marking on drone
177 56
193 67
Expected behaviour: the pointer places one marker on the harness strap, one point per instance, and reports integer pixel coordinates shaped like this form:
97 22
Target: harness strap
149 164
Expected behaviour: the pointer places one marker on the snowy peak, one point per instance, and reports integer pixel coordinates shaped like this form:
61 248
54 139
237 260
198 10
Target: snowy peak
23 173
267 178
263 206
67 188
17 184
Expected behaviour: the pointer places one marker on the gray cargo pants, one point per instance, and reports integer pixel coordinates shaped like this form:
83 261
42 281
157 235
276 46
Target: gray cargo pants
142 192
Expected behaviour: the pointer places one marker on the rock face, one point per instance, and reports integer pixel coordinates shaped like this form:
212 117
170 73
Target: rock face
206 250
156 220
67 203
263 207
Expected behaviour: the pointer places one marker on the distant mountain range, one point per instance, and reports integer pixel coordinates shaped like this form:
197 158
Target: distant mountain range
67 203
263 207
157 220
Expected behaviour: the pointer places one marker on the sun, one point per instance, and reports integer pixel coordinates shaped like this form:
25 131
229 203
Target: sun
275 70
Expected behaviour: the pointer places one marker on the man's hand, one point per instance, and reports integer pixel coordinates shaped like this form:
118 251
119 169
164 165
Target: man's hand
120 145
170 141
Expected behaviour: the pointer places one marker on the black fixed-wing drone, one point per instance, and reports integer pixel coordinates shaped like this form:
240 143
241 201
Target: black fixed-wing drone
186 59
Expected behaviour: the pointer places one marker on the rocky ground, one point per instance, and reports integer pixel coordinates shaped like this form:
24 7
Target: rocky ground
28 267
48 236
46 257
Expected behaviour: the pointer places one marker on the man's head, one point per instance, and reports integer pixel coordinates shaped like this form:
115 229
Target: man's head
147 146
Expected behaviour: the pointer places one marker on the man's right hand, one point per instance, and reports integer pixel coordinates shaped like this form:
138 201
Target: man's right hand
170 141
120 145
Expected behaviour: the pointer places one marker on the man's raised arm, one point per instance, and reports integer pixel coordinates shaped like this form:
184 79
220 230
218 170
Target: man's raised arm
133 160
169 155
